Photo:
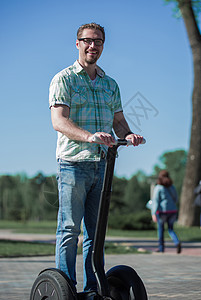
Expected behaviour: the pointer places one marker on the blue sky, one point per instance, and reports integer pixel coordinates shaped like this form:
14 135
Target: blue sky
146 52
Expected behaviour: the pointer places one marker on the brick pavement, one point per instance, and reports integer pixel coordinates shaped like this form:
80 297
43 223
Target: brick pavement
166 276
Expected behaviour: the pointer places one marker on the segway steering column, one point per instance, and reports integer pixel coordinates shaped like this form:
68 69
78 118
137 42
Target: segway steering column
98 248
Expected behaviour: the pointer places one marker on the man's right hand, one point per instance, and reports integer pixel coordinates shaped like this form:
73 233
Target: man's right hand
105 137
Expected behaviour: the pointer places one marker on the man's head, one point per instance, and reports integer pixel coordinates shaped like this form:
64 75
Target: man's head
93 26
90 40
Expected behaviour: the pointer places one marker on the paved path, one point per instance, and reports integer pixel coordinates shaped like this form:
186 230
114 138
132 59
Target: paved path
188 248
166 276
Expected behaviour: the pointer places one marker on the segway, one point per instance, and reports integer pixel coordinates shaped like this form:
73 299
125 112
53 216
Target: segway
119 283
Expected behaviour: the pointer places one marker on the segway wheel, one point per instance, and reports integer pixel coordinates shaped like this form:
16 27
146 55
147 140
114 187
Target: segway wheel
125 284
53 284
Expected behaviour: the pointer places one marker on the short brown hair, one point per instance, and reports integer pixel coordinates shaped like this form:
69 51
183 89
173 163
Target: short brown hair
90 26
164 178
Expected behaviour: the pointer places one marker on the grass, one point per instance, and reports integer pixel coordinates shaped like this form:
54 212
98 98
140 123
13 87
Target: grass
113 248
15 248
19 249
187 234
43 227
23 249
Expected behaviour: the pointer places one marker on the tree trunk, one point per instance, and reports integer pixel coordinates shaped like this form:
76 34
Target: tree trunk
188 213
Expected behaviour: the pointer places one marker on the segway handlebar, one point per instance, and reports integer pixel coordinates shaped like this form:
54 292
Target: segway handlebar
118 142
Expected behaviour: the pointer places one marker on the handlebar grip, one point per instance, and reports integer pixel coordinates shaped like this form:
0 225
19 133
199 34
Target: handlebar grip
97 140
129 142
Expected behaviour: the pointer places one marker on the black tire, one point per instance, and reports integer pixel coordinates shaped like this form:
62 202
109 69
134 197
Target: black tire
53 284
125 284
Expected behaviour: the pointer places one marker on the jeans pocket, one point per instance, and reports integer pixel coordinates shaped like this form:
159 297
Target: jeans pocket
66 172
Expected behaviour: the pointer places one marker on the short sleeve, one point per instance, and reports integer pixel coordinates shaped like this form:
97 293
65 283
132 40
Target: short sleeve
59 91
117 100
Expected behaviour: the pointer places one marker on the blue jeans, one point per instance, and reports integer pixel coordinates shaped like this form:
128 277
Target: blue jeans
79 185
170 218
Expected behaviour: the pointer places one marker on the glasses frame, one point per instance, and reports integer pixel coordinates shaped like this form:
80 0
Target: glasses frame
89 41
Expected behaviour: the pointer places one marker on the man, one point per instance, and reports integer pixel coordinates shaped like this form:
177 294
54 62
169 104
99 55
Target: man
83 101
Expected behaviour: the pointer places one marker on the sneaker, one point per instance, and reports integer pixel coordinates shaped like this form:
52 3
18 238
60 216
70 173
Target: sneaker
179 248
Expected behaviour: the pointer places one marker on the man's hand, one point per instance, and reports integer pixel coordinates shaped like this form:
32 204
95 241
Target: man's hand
136 139
121 127
106 138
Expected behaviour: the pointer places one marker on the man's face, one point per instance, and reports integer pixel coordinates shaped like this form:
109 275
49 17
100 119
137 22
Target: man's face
89 54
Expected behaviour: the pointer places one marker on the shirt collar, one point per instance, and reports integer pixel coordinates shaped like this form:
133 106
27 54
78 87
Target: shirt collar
79 68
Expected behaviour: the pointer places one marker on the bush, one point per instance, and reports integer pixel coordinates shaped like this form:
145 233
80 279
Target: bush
138 221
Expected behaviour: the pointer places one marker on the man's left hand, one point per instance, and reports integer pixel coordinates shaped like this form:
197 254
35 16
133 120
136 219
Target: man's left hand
136 139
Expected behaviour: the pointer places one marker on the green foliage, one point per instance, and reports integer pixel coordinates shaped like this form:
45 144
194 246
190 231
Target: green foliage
23 198
117 203
11 197
196 6
137 193
131 221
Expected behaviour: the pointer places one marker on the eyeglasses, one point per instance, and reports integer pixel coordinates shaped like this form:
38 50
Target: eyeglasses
97 42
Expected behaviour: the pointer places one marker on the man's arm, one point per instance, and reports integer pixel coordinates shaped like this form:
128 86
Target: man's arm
122 129
62 123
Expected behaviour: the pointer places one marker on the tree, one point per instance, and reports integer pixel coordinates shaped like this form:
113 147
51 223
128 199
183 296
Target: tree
50 199
35 196
23 198
117 196
188 213
11 198
137 193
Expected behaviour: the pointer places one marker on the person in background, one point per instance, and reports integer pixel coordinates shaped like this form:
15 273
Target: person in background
164 209
84 101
